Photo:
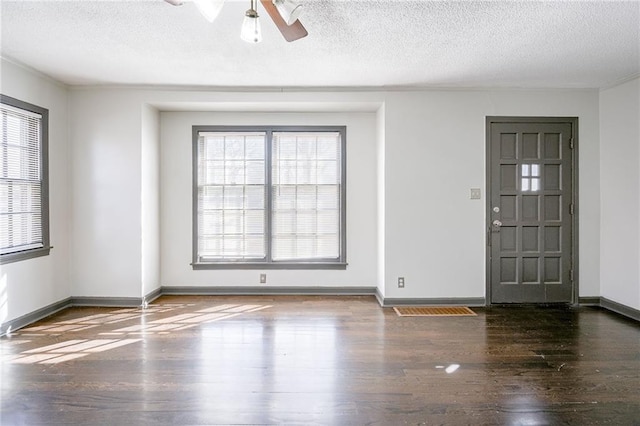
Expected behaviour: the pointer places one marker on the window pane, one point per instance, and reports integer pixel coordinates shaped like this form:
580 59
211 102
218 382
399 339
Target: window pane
232 222
254 247
211 224
214 148
306 172
233 197
234 172
285 222
210 247
327 246
284 172
285 148
254 148
210 197
234 147
328 197
306 197
254 197
327 148
328 222
284 197
305 223
328 172
305 248
284 246
535 184
254 222
254 172
306 148
535 170
232 246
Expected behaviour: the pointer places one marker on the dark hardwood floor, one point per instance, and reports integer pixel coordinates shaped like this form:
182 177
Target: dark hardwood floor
320 360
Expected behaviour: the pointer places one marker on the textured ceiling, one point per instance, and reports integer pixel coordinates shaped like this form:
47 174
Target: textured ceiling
373 43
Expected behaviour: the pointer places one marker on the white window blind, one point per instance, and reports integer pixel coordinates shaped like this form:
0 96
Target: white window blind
21 183
306 196
231 196
269 196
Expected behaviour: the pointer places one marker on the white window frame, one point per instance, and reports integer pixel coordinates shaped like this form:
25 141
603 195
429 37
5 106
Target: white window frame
268 262
40 246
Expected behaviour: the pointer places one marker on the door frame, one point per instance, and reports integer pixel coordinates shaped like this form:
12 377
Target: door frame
574 196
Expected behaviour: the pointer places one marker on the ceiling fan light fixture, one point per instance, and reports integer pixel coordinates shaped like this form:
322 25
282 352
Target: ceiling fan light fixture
210 9
251 32
289 10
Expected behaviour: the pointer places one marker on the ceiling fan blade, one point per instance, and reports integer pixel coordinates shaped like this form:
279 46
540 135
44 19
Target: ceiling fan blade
175 2
291 32
210 9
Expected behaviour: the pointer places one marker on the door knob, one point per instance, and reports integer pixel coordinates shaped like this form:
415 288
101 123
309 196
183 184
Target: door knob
496 223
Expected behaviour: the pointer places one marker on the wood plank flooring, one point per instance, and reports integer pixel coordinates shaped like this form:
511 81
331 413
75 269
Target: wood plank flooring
190 360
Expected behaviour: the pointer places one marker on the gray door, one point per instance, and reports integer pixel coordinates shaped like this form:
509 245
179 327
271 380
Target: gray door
530 210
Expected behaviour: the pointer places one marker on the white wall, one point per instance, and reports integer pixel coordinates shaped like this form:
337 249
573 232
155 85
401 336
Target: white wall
105 134
112 137
150 204
32 284
176 222
434 153
620 193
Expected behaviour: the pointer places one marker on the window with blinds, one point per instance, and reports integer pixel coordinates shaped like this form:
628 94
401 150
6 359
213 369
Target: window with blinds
23 180
231 196
269 197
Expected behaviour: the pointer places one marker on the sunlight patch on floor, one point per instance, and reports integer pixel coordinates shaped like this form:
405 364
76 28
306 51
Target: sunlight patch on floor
71 349
78 348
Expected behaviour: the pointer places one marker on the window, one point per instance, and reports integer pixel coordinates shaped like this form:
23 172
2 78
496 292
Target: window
24 208
269 197
530 177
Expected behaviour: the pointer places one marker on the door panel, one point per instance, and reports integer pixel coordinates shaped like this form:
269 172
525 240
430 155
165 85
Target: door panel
530 223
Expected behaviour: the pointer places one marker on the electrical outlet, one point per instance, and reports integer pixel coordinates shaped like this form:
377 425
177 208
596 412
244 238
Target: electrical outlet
401 282
475 194
263 278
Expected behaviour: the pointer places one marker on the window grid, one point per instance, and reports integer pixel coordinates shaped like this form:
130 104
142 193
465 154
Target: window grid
304 236
23 184
530 181
228 233
302 207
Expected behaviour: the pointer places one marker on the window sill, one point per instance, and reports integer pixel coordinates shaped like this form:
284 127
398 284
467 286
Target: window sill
24 255
275 265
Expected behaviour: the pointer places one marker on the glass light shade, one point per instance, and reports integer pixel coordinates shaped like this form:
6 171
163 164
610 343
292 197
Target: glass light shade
251 32
288 9
210 9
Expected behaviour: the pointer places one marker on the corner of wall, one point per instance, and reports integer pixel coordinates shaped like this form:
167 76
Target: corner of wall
620 193
381 143
150 199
